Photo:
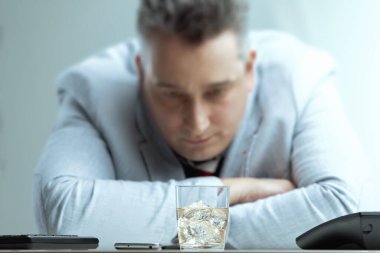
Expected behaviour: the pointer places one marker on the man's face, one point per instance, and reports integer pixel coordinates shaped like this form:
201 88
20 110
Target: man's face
196 93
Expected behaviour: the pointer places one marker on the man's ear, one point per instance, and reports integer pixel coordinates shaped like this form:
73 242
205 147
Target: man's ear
140 70
250 68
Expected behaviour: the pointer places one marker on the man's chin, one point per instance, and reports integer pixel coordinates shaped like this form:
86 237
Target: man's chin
199 156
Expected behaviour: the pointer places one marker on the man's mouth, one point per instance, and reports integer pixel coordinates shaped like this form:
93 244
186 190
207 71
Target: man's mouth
198 141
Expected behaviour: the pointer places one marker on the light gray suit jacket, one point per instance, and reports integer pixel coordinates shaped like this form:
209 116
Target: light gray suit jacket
107 172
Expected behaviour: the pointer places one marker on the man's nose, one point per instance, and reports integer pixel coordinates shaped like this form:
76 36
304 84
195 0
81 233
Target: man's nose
197 118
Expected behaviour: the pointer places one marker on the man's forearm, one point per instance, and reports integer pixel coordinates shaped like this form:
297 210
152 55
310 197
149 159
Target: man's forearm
111 209
249 189
275 222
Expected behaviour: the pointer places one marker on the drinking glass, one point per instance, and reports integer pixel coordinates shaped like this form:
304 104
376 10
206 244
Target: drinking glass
202 217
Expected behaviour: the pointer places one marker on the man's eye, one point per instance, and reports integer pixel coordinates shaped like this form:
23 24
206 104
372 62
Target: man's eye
170 94
215 93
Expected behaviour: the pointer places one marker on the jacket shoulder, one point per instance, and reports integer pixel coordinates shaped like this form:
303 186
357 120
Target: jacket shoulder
103 81
101 76
285 63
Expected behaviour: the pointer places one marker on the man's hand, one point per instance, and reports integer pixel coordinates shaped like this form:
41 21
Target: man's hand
248 189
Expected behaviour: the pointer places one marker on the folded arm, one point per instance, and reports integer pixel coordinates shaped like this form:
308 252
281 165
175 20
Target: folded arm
76 191
327 170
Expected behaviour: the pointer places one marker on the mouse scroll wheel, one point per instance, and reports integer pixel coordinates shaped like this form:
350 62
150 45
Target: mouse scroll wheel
366 229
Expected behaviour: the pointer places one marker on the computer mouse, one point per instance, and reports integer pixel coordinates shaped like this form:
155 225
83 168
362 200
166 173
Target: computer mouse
353 231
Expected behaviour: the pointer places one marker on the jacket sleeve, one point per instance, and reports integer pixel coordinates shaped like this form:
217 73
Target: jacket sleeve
76 191
328 168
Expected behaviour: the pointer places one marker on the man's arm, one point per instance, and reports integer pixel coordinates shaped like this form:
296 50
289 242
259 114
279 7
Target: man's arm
327 169
76 192
250 189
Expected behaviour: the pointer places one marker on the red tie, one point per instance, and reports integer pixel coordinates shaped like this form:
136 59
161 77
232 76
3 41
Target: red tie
193 172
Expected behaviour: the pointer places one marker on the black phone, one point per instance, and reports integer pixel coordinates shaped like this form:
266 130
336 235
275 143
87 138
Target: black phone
29 241
353 231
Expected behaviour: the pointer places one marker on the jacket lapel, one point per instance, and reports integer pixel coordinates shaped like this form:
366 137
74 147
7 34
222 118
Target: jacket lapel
160 169
241 149
161 163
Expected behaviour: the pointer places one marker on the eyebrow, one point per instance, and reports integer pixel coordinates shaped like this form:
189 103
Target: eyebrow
221 84
214 85
162 84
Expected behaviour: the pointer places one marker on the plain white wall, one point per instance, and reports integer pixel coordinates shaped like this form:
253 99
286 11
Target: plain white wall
349 30
40 38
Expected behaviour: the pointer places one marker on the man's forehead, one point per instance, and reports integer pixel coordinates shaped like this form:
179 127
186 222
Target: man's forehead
175 65
160 42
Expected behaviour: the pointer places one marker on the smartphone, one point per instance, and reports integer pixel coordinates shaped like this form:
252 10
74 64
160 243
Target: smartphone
47 242
137 246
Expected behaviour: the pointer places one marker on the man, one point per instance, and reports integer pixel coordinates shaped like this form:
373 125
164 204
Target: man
198 101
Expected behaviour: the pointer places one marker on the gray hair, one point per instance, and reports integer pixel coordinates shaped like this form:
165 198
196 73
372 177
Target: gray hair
193 20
